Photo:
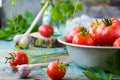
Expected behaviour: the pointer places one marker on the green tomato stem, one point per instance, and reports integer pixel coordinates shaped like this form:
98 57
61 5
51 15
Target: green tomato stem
107 22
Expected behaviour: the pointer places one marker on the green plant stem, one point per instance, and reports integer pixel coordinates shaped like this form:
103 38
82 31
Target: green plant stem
13 3
18 10
11 15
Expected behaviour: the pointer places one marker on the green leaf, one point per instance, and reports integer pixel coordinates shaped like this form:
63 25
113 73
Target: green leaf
67 9
29 17
113 64
42 3
10 24
78 6
56 15
57 2
2 34
97 73
5 34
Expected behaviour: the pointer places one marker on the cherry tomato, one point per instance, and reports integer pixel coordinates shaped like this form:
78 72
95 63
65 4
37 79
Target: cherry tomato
45 30
74 31
17 58
116 42
107 31
84 39
56 70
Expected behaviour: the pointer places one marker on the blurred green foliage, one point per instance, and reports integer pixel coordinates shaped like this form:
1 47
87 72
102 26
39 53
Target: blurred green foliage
17 25
62 9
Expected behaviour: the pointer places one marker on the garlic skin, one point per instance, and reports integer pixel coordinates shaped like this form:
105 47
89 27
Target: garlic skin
24 41
17 38
24 71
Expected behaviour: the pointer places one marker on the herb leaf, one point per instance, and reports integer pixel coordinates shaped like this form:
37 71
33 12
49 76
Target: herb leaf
97 73
29 16
56 15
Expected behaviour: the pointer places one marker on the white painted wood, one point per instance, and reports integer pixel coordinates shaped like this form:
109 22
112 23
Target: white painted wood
0 3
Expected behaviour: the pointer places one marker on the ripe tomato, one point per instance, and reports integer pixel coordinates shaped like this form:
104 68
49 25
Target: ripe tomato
87 39
17 58
56 70
116 42
45 30
74 31
107 32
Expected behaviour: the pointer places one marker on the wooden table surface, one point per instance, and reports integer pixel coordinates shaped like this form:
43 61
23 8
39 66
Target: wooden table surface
73 71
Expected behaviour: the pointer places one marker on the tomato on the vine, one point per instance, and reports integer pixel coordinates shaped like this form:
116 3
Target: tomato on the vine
17 58
56 70
45 30
81 39
107 31
74 31
116 42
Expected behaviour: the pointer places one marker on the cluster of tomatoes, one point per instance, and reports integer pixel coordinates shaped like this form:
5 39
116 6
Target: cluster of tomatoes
56 70
104 33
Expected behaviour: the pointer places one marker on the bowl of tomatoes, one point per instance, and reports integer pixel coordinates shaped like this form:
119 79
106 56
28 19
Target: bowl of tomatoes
89 49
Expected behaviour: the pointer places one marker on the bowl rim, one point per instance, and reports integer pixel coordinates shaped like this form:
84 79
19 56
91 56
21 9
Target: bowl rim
62 39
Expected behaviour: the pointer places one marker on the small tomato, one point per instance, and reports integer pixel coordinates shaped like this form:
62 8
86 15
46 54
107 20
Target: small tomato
45 30
56 70
87 39
17 58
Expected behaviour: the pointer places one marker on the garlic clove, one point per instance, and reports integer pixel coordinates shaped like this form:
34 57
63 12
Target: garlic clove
24 41
17 38
24 71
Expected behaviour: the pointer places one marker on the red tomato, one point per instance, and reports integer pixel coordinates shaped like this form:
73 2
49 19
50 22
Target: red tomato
83 39
74 31
56 70
45 30
17 58
116 42
107 32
